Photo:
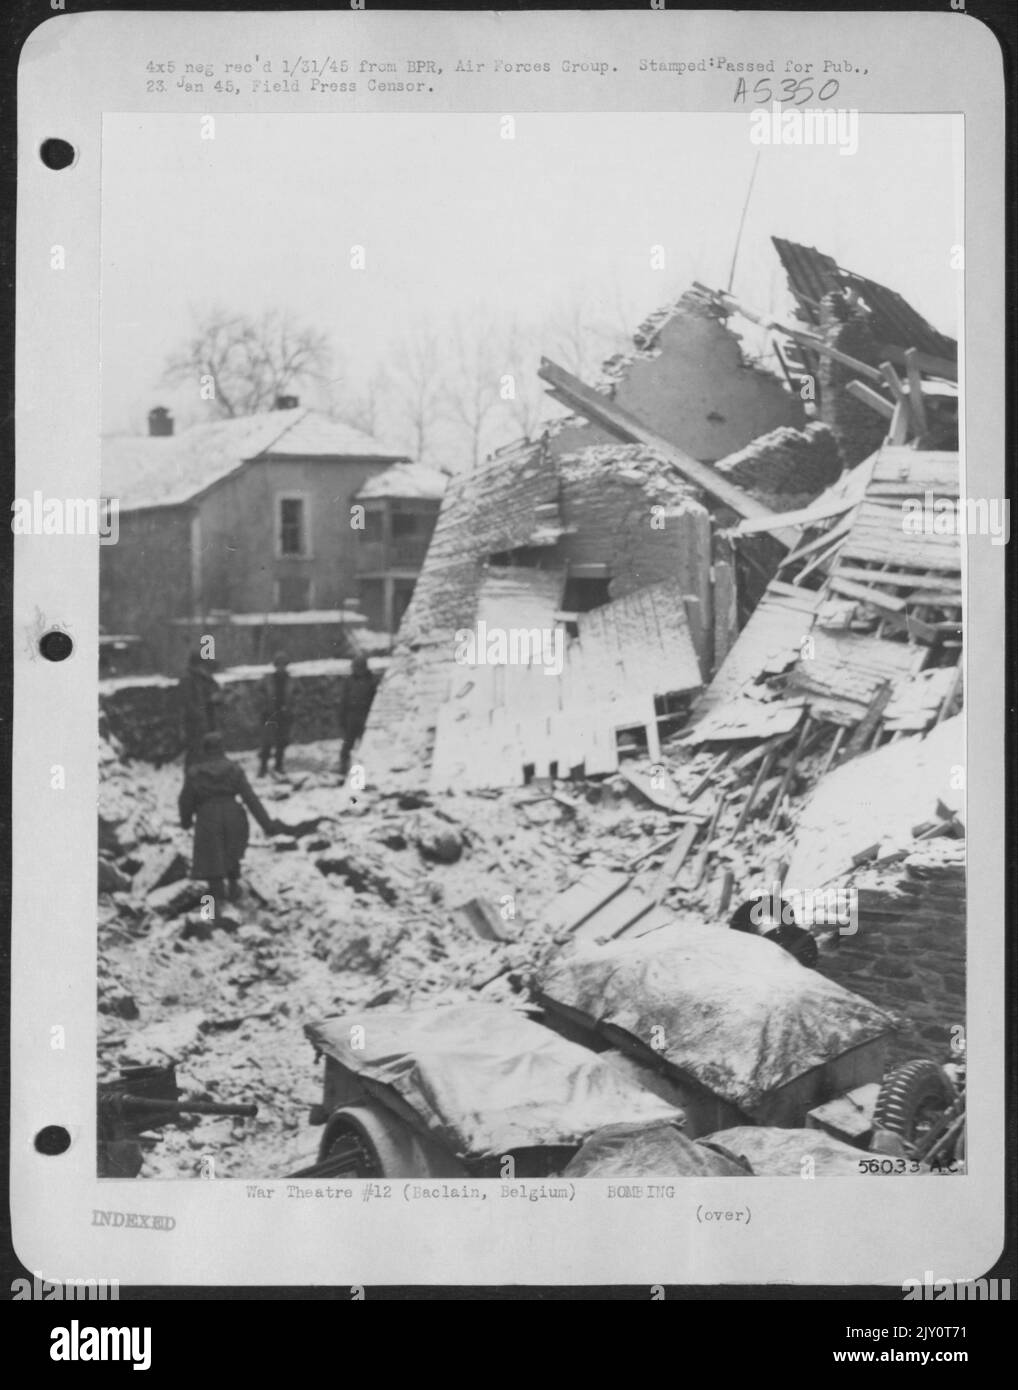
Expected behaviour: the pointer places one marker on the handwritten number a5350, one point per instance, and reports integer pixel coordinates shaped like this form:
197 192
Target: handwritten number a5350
795 91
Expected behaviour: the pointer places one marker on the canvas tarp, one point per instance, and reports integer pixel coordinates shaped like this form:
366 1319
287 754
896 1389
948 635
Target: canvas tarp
485 1079
734 1012
792 1153
649 1151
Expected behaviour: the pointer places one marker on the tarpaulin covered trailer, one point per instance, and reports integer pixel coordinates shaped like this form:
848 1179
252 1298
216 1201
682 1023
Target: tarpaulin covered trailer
740 1030
457 1089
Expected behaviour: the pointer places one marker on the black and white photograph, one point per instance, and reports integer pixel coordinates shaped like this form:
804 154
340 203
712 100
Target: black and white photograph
531 647
509 617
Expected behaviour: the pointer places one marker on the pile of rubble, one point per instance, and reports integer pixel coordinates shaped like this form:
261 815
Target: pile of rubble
395 898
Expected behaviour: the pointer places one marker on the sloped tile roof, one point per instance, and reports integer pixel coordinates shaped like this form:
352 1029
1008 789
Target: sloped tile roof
164 471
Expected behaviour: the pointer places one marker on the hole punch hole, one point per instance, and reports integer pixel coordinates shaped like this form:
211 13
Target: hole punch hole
52 1140
55 646
57 154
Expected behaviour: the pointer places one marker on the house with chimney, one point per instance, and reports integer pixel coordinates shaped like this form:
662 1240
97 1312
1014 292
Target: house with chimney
246 528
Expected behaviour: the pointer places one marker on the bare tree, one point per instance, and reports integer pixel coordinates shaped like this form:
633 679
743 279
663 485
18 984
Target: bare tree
473 391
528 405
416 387
246 363
367 407
583 330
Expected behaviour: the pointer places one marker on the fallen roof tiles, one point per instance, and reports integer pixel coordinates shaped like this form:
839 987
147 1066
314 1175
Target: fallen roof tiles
812 274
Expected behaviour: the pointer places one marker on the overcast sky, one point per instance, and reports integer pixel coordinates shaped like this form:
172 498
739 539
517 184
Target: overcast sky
455 219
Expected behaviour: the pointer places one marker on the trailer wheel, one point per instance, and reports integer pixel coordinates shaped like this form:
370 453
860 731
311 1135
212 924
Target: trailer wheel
364 1142
911 1098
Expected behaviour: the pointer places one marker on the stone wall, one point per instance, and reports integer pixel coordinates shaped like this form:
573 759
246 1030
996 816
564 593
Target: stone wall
908 954
786 468
143 713
694 387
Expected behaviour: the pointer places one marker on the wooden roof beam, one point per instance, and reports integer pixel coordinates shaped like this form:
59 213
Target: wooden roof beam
798 335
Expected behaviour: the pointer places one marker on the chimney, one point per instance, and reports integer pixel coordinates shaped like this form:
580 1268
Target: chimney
160 422
287 403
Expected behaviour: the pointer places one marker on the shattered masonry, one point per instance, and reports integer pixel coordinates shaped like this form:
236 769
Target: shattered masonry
762 683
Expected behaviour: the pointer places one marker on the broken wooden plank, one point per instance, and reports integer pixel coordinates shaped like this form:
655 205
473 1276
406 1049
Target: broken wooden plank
710 776
746 760
725 893
581 899
821 542
819 559
866 594
872 398
901 578
798 335
620 912
666 875
650 921
894 382
915 389
898 432
927 363
604 411
726 608
655 848
786 781
802 516
863 731
700 862
832 752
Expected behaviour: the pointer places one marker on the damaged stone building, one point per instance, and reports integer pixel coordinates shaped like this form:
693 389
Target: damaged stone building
670 471
763 623
675 656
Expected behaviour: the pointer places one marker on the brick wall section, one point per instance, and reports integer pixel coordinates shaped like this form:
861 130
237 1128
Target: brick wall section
786 468
909 952
144 714
609 496
694 387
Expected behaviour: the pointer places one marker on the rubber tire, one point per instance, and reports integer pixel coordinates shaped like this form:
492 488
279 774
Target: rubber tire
381 1134
905 1090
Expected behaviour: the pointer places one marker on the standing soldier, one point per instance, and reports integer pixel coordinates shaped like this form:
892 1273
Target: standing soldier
200 701
212 785
277 713
354 704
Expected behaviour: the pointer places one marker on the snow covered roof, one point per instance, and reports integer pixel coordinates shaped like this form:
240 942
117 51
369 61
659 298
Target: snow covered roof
407 480
165 471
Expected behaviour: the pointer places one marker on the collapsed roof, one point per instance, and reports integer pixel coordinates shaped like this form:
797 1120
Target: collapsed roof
893 321
883 620
853 610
